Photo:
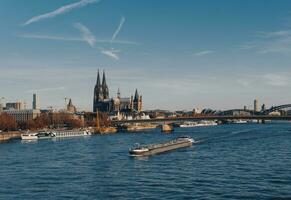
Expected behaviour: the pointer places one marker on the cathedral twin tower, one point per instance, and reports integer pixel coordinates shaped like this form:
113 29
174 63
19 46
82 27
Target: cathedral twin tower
103 103
101 91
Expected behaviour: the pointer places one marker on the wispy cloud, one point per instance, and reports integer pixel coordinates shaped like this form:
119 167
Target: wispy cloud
270 79
115 34
245 82
46 89
74 39
60 11
270 42
50 37
111 53
86 34
276 80
203 53
247 46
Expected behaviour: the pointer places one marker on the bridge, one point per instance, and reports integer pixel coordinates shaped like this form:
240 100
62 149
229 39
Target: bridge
275 108
203 117
252 112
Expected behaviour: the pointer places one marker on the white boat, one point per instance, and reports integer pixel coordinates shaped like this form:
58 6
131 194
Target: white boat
29 136
36 135
54 134
71 133
240 121
196 124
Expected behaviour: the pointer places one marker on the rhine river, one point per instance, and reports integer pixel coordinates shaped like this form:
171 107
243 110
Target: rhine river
242 161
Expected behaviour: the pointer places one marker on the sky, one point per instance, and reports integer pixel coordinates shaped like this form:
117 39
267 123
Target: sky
180 55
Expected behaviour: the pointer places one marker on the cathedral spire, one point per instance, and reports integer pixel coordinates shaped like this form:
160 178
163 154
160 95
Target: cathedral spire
98 78
136 95
104 87
103 79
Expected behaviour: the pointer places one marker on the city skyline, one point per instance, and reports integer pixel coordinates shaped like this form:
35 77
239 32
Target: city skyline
180 55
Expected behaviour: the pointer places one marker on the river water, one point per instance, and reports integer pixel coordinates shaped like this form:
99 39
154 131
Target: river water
242 161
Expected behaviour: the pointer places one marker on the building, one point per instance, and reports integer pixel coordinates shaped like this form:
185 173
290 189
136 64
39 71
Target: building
122 104
103 103
70 107
256 106
128 104
22 116
35 102
15 106
137 102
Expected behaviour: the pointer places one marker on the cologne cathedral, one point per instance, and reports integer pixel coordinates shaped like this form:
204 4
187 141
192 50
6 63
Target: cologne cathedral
103 103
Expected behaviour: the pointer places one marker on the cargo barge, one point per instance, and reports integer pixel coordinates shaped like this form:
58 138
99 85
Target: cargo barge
151 149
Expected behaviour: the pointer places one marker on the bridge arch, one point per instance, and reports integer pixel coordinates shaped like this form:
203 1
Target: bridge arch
276 108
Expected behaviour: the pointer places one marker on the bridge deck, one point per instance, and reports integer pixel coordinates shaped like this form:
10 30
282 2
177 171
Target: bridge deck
180 119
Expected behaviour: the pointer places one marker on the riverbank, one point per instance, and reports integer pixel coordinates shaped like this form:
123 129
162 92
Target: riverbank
5 136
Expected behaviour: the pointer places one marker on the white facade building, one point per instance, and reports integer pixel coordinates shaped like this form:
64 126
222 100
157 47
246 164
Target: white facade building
23 115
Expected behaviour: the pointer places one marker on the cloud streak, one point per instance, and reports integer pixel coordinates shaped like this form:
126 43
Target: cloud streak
74 39
203 53
60 11
270 79
115 34
111 53
276 80
61 88
270 42
86 34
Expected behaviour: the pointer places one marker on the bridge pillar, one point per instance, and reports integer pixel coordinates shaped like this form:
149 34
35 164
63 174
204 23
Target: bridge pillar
167 128
261 121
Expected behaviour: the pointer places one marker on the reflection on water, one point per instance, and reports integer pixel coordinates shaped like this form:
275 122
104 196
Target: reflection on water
142 158
28 141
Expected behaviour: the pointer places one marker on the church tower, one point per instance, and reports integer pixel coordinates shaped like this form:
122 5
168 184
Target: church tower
105 87
137 102
70 107
98 94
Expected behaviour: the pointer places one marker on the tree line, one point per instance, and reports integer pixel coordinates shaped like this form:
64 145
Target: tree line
44 120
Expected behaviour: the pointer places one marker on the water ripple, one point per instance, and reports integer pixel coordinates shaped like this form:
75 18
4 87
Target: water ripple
231 162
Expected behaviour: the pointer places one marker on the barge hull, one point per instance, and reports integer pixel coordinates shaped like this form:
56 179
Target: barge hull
164 149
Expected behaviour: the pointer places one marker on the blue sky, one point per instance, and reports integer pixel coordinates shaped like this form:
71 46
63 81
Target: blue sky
179 54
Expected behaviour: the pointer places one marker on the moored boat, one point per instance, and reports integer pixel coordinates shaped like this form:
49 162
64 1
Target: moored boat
54 134
146 150
196 124
71 133
37 135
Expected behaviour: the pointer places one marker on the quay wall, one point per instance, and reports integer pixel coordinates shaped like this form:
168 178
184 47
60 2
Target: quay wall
4 136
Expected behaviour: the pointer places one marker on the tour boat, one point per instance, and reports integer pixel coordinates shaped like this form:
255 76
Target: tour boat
54 134
71 133
36 135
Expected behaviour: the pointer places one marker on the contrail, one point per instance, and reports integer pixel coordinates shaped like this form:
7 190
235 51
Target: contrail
60 11
111 53
75 39
122 20
86 34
